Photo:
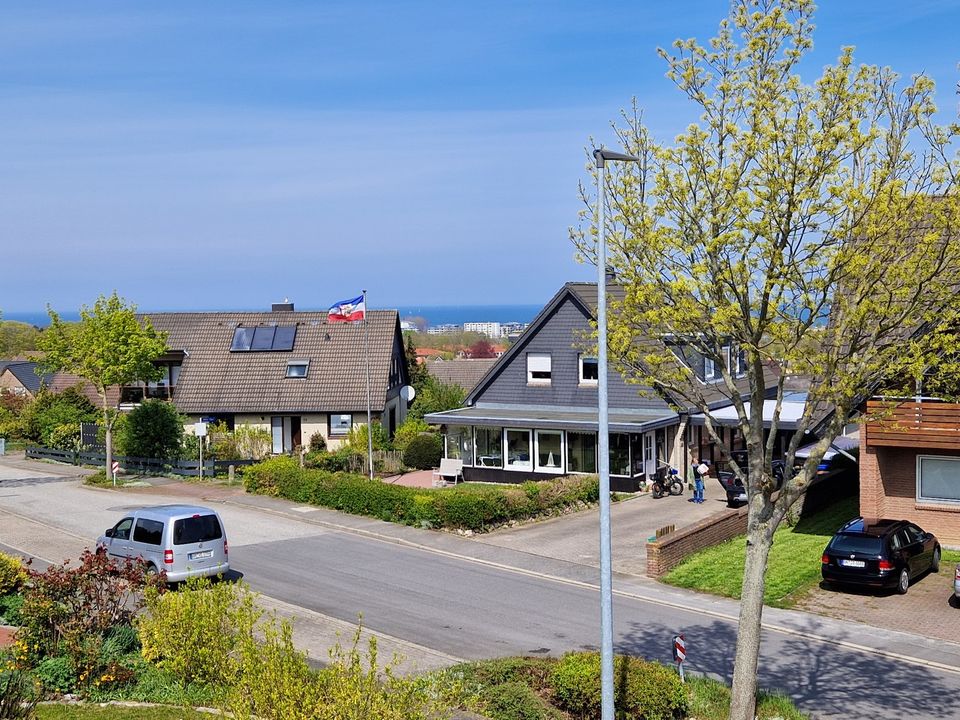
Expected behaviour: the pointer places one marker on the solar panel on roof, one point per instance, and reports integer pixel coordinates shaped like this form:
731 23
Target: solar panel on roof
242 337
284 337
263 338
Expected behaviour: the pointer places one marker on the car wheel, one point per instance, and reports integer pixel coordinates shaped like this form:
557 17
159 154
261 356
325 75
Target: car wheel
935 565
903 582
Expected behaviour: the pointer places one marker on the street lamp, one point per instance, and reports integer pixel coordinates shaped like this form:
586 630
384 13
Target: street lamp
603 433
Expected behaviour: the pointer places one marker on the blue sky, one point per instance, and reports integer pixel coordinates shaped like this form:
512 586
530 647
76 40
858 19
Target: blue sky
224 155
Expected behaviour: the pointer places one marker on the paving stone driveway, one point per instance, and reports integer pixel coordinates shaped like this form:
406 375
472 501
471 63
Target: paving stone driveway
928 608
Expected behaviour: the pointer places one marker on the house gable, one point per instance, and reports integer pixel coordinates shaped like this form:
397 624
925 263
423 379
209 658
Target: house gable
563 331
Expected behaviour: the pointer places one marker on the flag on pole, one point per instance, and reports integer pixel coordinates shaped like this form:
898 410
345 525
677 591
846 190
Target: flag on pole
347 310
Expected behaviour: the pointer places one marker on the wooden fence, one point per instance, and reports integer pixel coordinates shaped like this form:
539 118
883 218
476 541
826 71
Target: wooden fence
385 462
142 466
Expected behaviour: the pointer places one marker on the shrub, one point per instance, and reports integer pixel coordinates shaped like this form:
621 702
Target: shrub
56 674
266 476
18 696
408 431
356 439
154 429
643 689
195 632
70 610
120 641
423 452
50 410
10 609
65 437
318 443
514 701
98 478
12 574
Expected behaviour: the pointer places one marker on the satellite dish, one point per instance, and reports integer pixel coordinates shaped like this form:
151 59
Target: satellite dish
408 393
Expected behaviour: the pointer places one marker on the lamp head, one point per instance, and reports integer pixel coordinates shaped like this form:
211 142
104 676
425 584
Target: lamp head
601 155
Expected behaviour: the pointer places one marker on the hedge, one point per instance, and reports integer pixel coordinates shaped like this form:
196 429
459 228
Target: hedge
477 507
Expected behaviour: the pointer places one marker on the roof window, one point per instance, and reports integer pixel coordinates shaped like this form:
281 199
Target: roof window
264 338
297 368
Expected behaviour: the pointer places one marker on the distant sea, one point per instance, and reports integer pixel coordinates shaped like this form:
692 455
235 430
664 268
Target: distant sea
433 314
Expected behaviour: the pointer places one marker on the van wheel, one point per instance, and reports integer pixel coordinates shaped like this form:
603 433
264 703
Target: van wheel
150 570
903 583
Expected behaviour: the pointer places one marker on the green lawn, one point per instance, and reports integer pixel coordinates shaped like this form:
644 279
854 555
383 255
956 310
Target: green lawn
794 564
57 711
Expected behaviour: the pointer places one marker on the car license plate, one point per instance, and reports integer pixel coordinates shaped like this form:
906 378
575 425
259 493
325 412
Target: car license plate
853 563
202 554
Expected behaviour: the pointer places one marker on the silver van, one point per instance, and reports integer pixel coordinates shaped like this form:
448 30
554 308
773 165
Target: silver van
184 540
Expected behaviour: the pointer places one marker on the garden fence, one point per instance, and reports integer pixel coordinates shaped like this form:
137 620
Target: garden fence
187 468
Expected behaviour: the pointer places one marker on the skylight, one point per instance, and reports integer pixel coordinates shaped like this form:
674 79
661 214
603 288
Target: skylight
264 338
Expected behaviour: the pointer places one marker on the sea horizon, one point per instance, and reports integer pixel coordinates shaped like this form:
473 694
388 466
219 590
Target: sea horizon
433 314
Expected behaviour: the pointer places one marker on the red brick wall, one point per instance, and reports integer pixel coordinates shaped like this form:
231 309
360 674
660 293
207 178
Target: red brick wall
888 488
668 551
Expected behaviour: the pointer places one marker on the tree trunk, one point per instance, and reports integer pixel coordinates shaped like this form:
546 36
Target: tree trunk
759 539
108 442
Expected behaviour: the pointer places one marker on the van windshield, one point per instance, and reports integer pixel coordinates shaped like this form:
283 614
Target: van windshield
196 529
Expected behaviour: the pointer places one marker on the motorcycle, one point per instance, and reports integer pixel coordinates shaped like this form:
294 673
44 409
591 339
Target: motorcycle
667 482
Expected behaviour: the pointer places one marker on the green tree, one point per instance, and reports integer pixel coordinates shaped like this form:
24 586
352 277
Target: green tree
154 429
416 371
795 229
109 347
49 410
436 396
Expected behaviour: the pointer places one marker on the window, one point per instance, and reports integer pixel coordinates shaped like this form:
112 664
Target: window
199 528
148 531
489 444
460 443
589 371
620 454
582 452
518 449
297 368
649 454
549 451
938 479
538 368
340 424
709 369
276 434
264 338
121 531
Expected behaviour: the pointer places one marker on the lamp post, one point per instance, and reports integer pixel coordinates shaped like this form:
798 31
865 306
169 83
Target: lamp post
603 437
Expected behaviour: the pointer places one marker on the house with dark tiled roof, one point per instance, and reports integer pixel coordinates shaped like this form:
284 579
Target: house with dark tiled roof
533 415
20 377
465 373
290 372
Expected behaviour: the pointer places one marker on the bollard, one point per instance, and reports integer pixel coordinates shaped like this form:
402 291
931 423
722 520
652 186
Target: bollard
679 654
230 471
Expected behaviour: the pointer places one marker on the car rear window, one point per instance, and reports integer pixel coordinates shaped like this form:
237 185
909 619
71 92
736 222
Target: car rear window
148 531
200 528
857 544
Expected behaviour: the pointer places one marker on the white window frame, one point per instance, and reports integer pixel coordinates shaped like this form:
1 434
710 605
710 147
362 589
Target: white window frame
566 458
559 466
931 500
528 467
539 362
650 453
472 443
588 382
305 364
339 432
712 374
478 459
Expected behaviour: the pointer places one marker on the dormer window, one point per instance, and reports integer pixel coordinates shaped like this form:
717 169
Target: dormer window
709 369
538 368
589 371
297 368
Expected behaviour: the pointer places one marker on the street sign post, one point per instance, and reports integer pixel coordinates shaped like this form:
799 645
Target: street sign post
200 430
115 468
679 654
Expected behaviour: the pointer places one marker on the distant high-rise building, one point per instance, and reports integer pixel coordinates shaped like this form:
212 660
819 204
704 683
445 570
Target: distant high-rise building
490 329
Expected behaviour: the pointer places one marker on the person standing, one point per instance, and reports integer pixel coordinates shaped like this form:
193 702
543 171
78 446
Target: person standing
703 470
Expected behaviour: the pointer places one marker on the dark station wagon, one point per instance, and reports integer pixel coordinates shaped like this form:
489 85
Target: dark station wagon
879 553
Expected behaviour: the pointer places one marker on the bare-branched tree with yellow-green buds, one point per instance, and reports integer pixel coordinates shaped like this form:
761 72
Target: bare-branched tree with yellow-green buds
795 230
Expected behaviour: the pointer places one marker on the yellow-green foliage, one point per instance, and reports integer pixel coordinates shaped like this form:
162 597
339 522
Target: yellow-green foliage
195 633
12 574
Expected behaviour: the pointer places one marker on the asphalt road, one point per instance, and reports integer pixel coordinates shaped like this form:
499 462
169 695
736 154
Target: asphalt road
474 610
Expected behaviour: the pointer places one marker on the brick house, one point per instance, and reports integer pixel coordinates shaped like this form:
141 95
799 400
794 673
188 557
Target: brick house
910 465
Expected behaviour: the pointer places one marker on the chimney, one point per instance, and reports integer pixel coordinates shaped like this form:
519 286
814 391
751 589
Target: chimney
285 306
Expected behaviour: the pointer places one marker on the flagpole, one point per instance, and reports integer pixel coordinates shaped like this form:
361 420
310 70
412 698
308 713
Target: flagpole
366 333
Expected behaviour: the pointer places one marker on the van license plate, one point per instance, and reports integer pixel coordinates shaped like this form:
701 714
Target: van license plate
202 554
853 563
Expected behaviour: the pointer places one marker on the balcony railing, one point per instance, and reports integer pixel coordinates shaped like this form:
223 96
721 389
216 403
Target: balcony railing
133 395
909 423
